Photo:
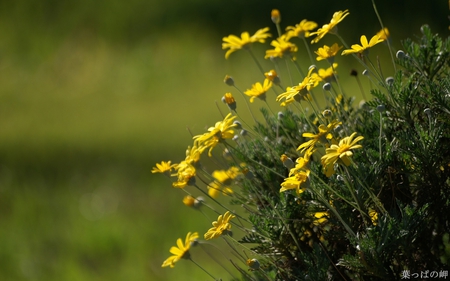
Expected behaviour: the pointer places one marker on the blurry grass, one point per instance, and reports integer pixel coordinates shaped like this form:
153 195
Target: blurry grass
81 128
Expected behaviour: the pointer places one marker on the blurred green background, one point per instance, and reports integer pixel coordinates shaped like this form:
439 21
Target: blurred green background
94 93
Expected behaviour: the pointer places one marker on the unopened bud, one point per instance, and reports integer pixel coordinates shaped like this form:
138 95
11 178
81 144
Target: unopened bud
326 86
327 113
238 124
381 108
390 81
365 72
229 100
228 80
275 16
400 54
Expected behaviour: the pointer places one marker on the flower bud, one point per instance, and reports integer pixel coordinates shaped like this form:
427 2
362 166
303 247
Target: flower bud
400 54
390 81
238 124
381 108
275 16
273 77
230 101
365 72
253 264
244 132
228 80
326 86
327 113
287 162
280 115
427 111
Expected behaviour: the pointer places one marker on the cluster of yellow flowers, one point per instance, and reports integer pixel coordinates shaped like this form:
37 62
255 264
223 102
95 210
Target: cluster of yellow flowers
336 151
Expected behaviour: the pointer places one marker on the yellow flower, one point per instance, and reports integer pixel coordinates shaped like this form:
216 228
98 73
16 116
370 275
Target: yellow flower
234 43
221 131
323 135
330 28
299 181
275 16
258 90
229 100
302 163
164 167
373 216
186 175
282 47
341 151
273 77
365 45
328 74
189 201
221 226
327 53
223 178
300 92
181 251
300 30
193 155
384 33
320 218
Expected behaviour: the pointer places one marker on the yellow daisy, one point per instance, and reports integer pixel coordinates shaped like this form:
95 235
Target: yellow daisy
384 33
234 43
221 131
300 92
300 30
365 45
299 181
282 48
164 167
258 90
181 251
341 151
331 27
322 136
221 226
328 74
327 53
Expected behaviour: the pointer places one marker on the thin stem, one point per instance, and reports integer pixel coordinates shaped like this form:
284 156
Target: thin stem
202 268
387 40
256 61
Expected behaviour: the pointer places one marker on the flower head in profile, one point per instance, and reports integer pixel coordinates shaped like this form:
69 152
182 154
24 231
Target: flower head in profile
373 216
322 136
181 251
300 92
384 34
301 30
365 45
222 181
221 226
275 16
299 181
259 90
331 27
221 131
185 175
273 77
164 167
234 43
327 53
328 74
282 48
341 152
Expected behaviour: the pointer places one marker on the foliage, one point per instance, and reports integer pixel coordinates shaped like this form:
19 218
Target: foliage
374 207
